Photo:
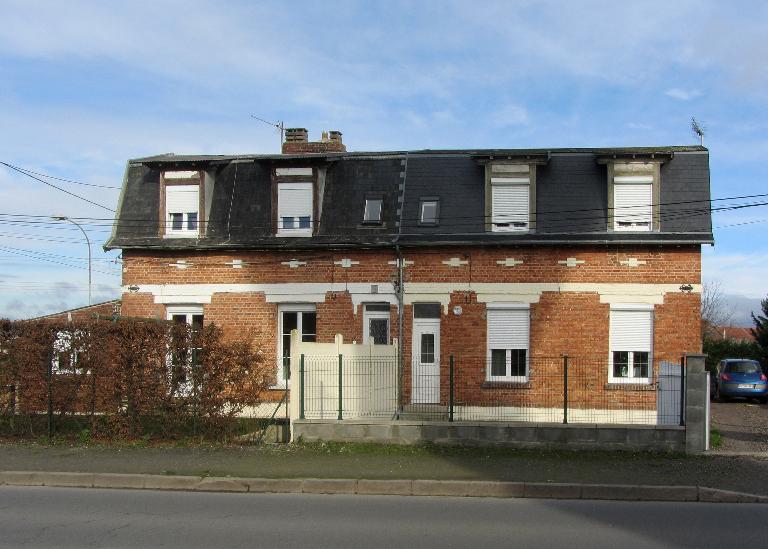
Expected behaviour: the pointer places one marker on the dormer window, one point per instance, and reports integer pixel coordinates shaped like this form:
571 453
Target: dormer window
182 204
372 213
429 210
294 208
509 188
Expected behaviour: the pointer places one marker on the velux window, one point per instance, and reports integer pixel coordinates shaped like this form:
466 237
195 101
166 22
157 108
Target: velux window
294 209
508 336
182 203
631 336
632 202
429 211
372 213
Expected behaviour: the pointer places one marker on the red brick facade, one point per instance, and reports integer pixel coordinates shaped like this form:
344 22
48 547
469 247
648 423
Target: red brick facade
573 321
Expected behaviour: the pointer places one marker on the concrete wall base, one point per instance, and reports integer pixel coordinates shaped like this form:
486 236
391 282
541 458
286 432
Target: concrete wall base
509 435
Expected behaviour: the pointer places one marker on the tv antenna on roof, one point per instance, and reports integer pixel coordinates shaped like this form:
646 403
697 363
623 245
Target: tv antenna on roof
279 125
698 129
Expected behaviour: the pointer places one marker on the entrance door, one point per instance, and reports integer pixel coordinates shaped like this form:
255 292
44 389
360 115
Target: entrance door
425 366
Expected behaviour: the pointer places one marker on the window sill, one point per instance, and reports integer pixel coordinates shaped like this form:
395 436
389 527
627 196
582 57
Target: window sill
293 234
506 385
182 235
629 386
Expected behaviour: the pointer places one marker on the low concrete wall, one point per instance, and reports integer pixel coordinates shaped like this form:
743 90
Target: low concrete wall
512 435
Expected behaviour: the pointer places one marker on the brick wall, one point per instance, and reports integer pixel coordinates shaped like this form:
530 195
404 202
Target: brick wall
572 323
602 265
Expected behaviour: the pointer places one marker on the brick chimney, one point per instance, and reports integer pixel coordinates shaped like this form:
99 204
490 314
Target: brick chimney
297 142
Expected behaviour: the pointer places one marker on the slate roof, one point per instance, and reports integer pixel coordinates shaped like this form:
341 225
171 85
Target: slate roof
571 199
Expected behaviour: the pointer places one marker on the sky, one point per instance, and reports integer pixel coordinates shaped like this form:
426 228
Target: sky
84 86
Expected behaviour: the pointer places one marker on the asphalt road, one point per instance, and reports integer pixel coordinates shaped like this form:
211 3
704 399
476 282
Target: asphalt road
62 517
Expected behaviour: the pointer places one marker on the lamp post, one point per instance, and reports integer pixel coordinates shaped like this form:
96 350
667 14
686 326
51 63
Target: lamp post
87 240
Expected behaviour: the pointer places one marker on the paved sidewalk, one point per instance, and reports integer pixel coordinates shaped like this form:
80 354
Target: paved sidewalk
376 462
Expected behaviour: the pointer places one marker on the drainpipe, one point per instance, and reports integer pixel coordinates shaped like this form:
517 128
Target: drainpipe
400 291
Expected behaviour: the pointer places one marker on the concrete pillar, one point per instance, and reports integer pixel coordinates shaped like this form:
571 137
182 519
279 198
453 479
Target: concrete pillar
695 404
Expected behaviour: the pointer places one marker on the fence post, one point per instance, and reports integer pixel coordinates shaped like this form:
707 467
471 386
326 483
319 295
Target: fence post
450 390
50 394
682 391
301 387
341 390
565 389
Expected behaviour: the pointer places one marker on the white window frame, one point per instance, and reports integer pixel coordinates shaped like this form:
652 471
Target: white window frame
61 345
525 309
423 201
375 315
631 379
185 231
368 217
188 311
635 211
505 222
281 382
296 230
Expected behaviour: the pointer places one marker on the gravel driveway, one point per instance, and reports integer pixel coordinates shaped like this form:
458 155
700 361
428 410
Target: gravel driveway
743 425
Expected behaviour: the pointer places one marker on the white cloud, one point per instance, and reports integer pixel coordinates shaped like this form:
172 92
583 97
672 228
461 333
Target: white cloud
510 115
739 274
682 95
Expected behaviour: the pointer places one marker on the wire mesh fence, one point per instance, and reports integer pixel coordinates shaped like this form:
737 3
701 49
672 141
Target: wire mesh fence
498 389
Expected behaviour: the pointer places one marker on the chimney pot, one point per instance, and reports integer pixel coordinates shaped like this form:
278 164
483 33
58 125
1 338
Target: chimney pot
297 142
296 135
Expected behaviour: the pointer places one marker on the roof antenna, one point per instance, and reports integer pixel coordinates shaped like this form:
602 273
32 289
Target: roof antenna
698 129
279 125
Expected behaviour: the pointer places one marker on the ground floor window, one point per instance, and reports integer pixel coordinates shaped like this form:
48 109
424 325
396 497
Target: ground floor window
376 323
508 342
631 337
181 363
302 318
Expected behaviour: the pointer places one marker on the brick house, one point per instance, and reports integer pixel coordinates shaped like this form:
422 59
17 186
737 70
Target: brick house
495 256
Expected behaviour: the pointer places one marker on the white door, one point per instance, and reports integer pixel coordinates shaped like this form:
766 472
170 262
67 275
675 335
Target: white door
426 361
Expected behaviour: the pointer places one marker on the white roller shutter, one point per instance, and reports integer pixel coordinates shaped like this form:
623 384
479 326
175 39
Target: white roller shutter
294 200
633 202
182 199
631 331
508 328
510 204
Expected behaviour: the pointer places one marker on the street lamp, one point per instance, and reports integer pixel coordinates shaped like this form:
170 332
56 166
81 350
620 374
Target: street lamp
87 240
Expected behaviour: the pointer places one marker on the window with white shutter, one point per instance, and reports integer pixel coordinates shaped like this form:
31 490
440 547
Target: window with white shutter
182 204
508 336
632 202
631 341
510 203
294 209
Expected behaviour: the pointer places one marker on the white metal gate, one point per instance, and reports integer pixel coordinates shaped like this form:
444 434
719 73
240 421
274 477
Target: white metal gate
668 393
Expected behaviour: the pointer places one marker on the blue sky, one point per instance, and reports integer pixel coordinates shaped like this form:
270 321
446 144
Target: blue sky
86 85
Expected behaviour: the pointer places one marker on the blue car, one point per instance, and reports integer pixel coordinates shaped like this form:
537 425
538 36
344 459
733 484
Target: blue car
739 377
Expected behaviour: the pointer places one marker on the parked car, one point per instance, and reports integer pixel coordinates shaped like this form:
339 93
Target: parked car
739 377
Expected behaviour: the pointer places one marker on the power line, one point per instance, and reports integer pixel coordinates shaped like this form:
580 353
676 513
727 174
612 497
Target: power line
21 171
27 170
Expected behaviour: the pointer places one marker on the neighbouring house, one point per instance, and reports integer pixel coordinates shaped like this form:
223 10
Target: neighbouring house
738 334
499 258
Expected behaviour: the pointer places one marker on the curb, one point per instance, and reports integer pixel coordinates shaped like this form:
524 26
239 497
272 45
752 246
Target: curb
455 488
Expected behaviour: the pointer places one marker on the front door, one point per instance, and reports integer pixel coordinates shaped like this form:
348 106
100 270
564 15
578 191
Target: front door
425 367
